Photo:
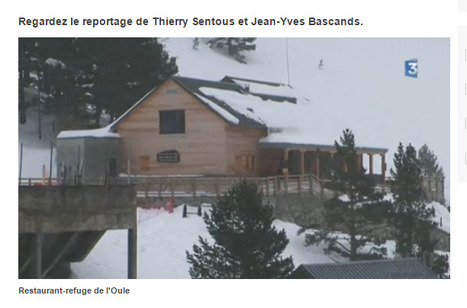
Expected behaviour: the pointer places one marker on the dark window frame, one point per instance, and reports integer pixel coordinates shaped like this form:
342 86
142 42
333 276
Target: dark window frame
172 122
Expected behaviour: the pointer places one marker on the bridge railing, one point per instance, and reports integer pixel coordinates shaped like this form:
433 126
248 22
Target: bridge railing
198 186
152 186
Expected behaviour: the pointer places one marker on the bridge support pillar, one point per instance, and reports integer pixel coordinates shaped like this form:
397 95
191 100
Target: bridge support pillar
37 249
132 253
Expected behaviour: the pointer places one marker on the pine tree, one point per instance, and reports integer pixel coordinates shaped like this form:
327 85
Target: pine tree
235 46
246 244
355 209
85 76
27 63
411 216
120 71
428 163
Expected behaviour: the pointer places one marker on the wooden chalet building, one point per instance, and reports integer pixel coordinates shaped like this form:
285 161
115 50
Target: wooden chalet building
194 127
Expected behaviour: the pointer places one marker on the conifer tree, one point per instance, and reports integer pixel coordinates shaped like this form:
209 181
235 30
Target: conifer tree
429 163
246 244
411 216
235 46
355 209
84 76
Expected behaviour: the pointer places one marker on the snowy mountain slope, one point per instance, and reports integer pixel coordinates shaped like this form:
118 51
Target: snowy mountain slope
361 85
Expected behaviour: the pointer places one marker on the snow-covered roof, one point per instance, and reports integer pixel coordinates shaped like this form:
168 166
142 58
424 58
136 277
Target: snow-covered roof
258 87
104 132
290 120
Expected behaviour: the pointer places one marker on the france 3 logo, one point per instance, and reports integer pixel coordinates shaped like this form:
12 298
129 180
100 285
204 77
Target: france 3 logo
411 68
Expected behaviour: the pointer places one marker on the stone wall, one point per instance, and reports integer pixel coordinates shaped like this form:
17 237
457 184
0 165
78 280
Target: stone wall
307 210
300 208
76 208
303 209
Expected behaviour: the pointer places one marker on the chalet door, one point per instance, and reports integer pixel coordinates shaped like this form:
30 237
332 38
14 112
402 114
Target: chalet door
244 164
240 164
144 163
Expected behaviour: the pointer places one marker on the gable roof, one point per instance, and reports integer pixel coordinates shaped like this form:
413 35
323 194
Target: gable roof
375 269
113 125
265 89
217 95
260 104
221 107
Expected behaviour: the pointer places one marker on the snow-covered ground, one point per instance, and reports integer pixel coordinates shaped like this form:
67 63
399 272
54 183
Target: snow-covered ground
163 239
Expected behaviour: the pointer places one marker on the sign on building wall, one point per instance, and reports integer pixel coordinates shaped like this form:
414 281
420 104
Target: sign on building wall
169 156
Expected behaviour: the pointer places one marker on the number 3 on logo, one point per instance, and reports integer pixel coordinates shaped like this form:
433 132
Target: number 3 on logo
411 68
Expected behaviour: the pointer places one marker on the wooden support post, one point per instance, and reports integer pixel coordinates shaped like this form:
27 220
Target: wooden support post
275 185
128 171
37 249
383 170
310 181
286 183
193 188
302 162
321 185
132 253
172 191
43 174
285 168
146 191
184 211
160 190
216 186
371 163
317 163
267 186
312 159
300 177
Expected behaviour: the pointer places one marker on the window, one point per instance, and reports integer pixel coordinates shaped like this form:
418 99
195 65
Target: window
172 122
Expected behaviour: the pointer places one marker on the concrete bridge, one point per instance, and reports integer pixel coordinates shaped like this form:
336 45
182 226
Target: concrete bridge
61 224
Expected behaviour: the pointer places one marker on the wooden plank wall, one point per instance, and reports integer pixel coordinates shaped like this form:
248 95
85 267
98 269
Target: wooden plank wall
202 148
243 142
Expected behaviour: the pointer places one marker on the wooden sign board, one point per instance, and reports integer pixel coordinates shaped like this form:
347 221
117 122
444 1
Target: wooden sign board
169 156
